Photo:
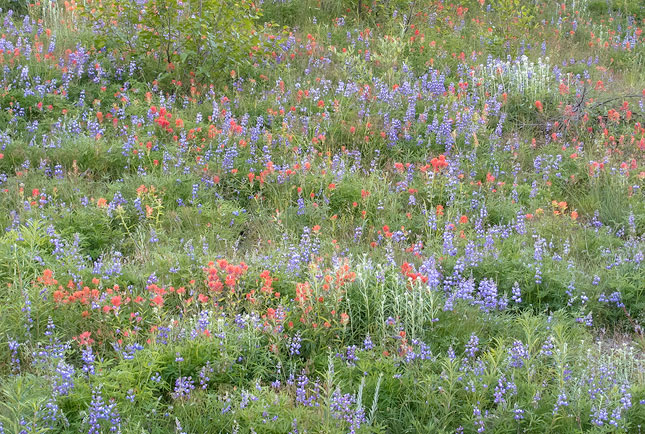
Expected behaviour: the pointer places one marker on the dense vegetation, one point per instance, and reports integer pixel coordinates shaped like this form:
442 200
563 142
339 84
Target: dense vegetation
376 216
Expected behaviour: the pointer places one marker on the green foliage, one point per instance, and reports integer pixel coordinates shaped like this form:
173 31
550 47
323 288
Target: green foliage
19 7
515 16
621 7
178 40
94 239
22 399
16 249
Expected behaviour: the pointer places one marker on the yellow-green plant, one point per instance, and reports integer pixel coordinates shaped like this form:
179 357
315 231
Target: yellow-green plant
516 14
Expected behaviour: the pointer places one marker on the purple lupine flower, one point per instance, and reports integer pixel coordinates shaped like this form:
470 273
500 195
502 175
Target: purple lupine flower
350 355
516 292
479 420
301 206
183 387
561 402
518 413
153 237
488 295
358 233
295 344
341 407
616 297
517 354
88 360
50 413
178 428
448 237
15 359
504 388
302 396
63 378
451 353
472 347
548 346
100 411
367 343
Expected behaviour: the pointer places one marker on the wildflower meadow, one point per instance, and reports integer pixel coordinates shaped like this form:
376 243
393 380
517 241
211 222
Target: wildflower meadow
322 216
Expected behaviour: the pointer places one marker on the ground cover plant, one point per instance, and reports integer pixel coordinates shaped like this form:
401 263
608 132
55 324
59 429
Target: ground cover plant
322 216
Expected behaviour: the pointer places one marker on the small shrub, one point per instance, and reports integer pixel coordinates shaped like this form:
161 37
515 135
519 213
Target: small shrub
177 39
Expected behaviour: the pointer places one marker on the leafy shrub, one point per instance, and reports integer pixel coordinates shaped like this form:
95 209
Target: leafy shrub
515 16
178 39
